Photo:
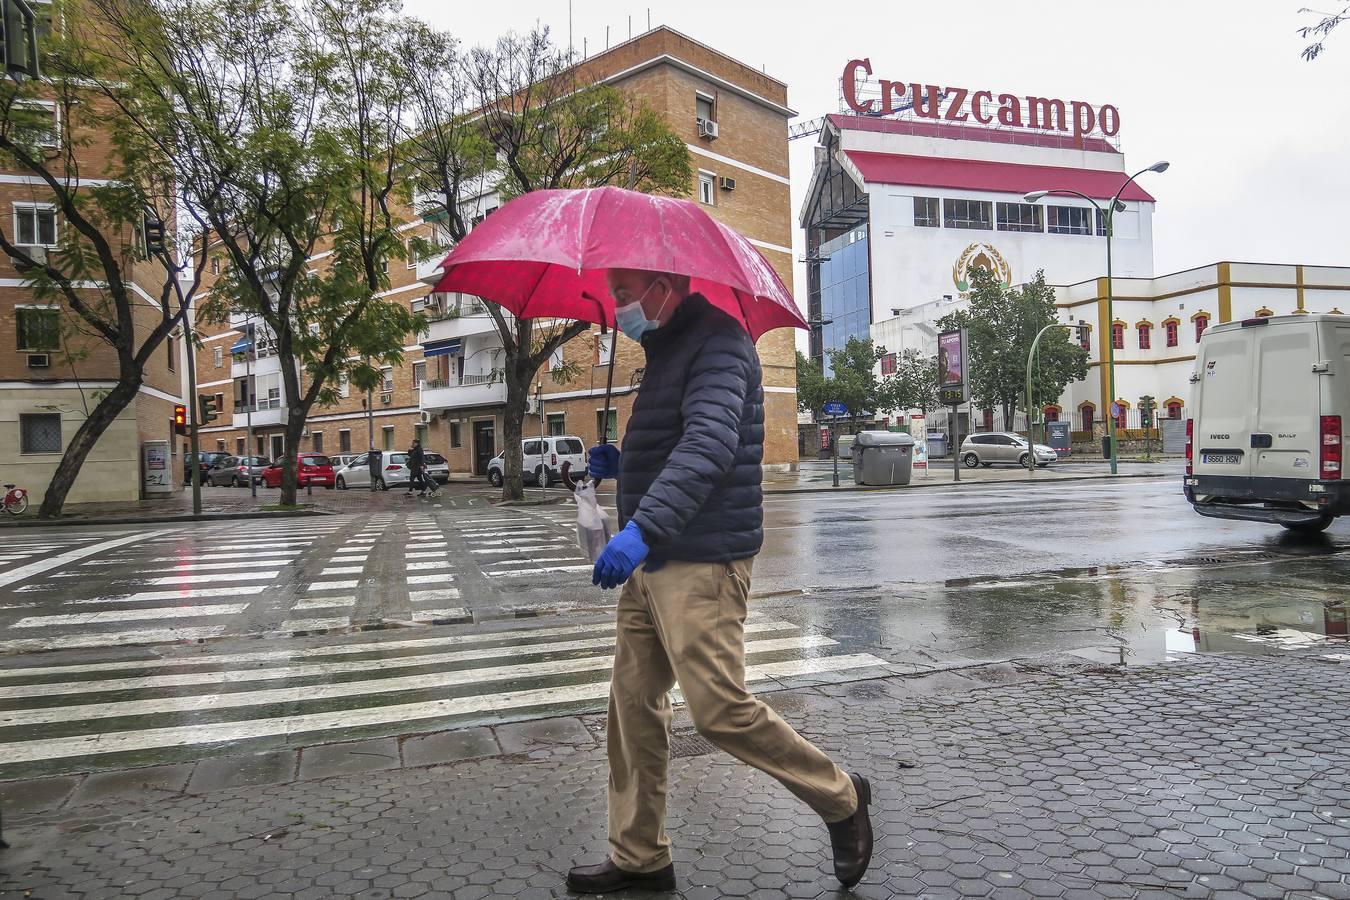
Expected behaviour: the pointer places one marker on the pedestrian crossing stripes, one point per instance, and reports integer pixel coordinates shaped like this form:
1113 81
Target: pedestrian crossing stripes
70 717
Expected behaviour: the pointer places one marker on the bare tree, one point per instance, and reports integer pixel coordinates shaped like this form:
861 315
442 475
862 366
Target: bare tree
1321 30
89 270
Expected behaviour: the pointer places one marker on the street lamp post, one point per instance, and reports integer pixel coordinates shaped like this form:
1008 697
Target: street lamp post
1107 216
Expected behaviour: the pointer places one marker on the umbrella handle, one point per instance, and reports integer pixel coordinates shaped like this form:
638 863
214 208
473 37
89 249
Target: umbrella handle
609 378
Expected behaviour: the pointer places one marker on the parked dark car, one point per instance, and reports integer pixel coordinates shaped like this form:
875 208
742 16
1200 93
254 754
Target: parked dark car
235 471
313 469
206 459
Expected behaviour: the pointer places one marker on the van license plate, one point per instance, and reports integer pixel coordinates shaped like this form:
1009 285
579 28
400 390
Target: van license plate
1223 459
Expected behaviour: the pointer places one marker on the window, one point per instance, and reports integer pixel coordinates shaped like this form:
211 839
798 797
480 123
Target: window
344 386
1145 335
1174 409
218 355
967 213
345 440
1101 222
419 374
387 437
1118 335
220 444
316 439
387 379
1087 413
612 432
454 434
171 348
40 433
411 246
37 123
219 401
39 328
420 433
1201 323
35 226
1069 220
988 423
215 265
1171 327
1052 414
1019 217
888 364
926 212
532 448
707 183
703 107
557 423
604 346
238 446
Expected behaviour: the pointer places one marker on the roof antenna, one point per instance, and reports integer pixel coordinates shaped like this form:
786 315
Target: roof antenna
630 26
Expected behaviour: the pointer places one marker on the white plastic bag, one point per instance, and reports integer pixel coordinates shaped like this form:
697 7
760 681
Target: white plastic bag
592 523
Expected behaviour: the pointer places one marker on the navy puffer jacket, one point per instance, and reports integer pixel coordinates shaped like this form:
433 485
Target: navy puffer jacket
690 473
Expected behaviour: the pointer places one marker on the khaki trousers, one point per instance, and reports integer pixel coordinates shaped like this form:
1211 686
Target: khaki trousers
685 623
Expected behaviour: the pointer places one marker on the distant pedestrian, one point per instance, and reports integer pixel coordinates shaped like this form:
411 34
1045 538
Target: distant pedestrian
417 470
690 498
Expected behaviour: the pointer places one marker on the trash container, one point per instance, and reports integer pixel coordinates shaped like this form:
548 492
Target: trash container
937 443
882 457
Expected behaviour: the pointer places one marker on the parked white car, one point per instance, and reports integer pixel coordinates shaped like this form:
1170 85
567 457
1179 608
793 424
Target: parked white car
543 459
356 474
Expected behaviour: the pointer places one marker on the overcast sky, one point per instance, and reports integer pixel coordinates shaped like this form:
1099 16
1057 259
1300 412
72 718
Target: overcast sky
1259 140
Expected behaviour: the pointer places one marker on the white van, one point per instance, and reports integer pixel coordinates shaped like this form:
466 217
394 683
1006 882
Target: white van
1271 399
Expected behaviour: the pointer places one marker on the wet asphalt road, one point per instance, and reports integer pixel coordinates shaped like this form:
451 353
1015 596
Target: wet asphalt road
127 646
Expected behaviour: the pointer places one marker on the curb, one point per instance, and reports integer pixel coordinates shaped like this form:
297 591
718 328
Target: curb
157 520
901 487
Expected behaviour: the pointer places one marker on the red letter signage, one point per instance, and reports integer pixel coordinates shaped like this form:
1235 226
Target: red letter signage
851 85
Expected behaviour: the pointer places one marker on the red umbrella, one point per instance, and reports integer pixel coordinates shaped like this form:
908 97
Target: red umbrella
545 254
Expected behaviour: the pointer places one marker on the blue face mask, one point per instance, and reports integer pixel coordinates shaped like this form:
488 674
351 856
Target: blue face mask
632 320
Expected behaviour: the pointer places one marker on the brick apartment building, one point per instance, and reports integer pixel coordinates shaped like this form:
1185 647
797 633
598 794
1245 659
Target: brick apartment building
448 391
50 376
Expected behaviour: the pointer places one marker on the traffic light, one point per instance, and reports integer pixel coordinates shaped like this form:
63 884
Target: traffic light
153 229
180 425
207 404
1083 333
20 40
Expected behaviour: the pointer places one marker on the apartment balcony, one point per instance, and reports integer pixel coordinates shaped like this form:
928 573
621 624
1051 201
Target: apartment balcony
470 319
471 390
264 413
429 270
258 362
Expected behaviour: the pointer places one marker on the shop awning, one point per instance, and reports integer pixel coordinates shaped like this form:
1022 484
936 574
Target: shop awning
243 345
442 348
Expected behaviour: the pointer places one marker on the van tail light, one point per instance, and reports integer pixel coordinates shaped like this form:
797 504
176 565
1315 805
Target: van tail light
555 461
1330 462
1190 446
394 467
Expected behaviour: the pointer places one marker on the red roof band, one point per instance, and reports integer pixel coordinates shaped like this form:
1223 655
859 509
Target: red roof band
970 133
993 177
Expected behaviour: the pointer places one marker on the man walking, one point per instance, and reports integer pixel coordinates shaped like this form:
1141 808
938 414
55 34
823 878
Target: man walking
690 500
417 469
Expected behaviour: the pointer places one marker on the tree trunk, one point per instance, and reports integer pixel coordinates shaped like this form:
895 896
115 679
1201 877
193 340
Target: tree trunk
295 426
88 434
513 431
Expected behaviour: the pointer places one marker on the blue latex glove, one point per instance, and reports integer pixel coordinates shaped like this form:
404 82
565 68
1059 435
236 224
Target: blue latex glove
603 461
621 556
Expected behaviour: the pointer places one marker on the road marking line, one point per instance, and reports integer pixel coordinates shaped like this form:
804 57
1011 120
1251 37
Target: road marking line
276 556
346 719
421 566
187 566
547 559
131 615
322 602
314 624
429 554
69 557
436 596
215 576
257 656
458 612
445 578
542 570
72 641
308 670
185 594
332 585
343 570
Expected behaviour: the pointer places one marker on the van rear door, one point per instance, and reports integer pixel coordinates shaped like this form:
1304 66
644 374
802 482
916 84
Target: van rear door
1285 435
1227 371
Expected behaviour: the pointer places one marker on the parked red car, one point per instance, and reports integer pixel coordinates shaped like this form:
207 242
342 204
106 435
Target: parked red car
314 469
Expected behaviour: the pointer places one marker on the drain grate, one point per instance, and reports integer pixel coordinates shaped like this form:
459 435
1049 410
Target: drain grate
690 743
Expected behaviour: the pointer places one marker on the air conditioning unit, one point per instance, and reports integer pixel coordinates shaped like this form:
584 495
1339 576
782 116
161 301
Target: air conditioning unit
707 128
39 360
726 184
424 417
386 397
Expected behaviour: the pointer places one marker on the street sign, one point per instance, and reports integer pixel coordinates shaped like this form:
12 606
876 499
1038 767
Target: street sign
835 408
1115 410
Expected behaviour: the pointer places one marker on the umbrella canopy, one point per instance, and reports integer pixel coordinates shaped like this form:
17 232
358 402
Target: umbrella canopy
545 254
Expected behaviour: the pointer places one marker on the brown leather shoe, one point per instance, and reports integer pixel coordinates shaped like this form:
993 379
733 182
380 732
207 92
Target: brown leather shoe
608 877
851 838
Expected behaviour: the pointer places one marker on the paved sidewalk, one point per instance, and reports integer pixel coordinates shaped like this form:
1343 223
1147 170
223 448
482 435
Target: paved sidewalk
1203 777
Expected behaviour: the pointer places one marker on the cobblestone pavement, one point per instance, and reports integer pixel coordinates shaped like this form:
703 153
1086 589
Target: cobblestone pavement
1206 776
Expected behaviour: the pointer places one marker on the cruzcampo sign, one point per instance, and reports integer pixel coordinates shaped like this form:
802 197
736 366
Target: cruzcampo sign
962 105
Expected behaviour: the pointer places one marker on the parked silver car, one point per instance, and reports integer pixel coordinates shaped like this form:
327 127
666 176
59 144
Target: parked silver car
235 471
1003 448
